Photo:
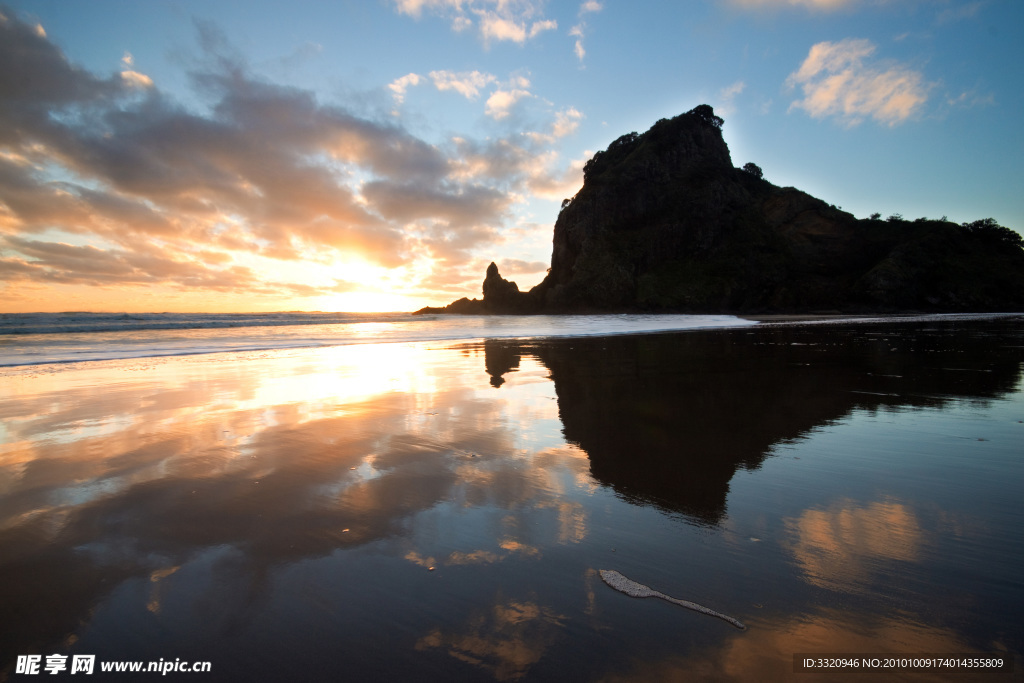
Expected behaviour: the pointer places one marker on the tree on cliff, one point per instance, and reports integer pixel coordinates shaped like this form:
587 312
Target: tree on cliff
753 169
989 231
616 152
705 112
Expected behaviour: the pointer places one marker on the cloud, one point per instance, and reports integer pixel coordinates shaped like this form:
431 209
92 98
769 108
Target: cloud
731 91
727 95
840 80
400 85
63 263
164 195
577 31
466 205
967 11
518 267
515 21
970 99
539 26
45 78
578 48
501 25
58 263
810 4
499 158
415 8
546 181
524 163
136 79
493 26
466 83
501 102
454 246
107 181
469 84
566 122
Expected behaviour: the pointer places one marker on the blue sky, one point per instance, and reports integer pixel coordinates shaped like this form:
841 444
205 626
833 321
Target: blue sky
378 155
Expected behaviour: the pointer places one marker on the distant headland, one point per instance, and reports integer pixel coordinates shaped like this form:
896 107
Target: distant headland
665 223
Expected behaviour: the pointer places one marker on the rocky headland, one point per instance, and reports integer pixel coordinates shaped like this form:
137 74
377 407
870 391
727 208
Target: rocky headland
665 222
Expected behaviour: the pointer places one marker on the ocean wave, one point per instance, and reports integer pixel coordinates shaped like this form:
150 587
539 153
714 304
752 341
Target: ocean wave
77 337
81 322
70 338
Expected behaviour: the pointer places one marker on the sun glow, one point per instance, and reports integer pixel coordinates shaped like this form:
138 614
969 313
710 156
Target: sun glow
351 377
371 302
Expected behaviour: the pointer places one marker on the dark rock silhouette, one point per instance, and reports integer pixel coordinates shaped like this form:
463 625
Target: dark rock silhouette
500 296
664 221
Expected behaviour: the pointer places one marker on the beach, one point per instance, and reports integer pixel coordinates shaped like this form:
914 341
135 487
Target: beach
435 503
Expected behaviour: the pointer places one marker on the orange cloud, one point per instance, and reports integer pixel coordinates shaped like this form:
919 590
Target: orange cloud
137 191
134 190
136 79
838 80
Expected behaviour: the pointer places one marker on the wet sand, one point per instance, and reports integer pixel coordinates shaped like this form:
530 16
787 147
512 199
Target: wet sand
441 511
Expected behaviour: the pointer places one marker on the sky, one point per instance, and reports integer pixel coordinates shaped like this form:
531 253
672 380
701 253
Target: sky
179 155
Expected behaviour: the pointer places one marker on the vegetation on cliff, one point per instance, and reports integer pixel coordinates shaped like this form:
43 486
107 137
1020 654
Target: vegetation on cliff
665 222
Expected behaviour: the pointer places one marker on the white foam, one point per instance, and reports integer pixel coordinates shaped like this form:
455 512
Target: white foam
74 337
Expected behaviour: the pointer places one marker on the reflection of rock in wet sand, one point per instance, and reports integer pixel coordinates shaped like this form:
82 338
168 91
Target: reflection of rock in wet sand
500 358
668 419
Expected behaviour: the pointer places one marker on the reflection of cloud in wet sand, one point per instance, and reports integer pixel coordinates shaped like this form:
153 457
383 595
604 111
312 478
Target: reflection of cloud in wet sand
98 486
154 595
114 471
475 557
509 546
513 546
507 640
764 652
572 520
838 548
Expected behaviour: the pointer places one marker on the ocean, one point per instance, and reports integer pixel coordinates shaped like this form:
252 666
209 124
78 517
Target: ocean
310 497
36 338
41 338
